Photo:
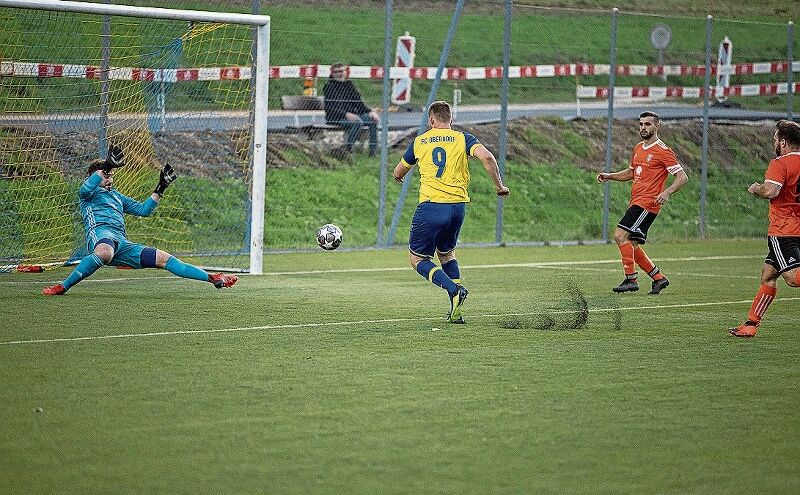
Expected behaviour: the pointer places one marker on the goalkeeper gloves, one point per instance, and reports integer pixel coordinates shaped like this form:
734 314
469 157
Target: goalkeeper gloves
114 159
168 175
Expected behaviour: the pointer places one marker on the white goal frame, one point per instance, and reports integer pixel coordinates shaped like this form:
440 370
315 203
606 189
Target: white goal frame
259 141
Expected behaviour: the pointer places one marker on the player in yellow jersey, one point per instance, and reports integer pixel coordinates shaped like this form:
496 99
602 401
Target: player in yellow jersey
442 156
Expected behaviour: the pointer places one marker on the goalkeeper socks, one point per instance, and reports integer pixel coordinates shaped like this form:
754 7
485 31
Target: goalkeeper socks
185 270
452 271
86 267
627 250
646 264
436 276
761 302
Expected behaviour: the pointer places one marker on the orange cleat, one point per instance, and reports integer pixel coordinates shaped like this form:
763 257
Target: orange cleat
221 280
54 290
745 330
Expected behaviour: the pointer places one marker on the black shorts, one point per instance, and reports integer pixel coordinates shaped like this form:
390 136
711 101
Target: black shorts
637 222
784 253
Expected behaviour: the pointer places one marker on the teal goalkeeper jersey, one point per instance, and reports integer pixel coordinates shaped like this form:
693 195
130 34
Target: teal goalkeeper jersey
103 210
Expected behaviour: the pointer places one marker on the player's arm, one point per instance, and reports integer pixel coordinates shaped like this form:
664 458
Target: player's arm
490 164
90 185
621 176
774 179
129 205
768 190
680 180
114 159
405 163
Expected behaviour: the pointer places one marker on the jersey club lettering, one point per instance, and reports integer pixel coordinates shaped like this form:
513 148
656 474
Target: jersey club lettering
442 157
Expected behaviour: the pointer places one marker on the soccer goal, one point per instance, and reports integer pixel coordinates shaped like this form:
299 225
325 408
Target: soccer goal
183 87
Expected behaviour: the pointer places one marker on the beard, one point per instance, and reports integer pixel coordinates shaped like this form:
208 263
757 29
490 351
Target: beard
646 135
777 151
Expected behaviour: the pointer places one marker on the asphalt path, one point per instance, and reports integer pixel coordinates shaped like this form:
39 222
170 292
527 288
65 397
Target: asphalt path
283 121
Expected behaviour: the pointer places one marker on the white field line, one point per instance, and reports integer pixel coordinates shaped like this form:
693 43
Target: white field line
542 264
368 322
670 273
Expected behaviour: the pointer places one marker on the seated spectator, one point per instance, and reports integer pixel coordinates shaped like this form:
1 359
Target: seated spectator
345 107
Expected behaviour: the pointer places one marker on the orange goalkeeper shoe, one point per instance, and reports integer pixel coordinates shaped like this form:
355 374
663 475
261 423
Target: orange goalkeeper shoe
746 330
54 290
221 280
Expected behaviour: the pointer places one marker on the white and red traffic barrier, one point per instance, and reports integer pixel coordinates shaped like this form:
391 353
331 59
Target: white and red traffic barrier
44 70
660 93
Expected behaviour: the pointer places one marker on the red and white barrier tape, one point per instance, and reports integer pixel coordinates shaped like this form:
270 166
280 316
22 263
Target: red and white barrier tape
43 70
660 93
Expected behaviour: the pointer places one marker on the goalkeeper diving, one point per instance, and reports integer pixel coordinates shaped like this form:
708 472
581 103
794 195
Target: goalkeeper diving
103 210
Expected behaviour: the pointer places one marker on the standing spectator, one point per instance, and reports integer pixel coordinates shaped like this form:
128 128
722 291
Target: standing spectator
345 107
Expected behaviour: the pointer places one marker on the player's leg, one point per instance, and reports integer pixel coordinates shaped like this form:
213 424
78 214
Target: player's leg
445 250
449 264
783 259
660 282
627 251
102 254
429 220
162 259
764 297
790 251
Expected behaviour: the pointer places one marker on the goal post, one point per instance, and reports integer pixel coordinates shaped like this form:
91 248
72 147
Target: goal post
174 86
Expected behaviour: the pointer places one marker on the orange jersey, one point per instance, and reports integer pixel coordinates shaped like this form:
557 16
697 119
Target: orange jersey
651 165
784 209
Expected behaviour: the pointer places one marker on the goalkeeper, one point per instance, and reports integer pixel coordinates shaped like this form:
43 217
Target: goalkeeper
103 209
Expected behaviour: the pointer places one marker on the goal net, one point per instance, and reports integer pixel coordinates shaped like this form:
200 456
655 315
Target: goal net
167 86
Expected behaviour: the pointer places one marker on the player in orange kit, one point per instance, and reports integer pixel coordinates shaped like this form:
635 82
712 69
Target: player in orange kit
782 188
651 163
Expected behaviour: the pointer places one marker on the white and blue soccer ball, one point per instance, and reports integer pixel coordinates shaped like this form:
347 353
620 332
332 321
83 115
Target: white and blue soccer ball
329 237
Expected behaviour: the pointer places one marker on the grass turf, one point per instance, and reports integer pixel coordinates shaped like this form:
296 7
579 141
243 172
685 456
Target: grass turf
320 400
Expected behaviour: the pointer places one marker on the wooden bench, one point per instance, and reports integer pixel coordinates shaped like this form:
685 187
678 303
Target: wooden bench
298 103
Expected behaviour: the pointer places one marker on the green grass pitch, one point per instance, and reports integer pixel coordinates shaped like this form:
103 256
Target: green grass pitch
336 373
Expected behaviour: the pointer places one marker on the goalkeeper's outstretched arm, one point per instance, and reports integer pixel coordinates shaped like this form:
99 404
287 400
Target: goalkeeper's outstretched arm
166 177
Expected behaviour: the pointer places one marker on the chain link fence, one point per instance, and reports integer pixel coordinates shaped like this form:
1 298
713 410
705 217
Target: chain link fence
577 81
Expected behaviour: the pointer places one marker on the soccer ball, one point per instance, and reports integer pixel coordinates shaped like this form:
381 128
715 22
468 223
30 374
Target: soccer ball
329 237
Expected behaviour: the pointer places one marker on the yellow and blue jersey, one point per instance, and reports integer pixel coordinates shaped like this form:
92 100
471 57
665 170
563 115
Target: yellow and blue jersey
442 156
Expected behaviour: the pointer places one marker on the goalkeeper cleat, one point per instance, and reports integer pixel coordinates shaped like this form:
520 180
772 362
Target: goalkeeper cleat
659 285
456 301
747 330
627 285
54 290
221 280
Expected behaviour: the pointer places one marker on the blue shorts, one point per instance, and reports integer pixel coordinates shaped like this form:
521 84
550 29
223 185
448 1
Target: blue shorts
126 253
435 227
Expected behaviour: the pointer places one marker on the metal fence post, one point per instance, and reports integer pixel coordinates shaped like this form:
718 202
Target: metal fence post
451 33
612 78
387 62
105 65
501 145
704 165
790 71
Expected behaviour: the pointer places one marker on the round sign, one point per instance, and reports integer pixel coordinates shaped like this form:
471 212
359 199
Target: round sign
660 36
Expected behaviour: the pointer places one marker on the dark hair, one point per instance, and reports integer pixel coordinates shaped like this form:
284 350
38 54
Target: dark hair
790 131
440 110
650 114
95 166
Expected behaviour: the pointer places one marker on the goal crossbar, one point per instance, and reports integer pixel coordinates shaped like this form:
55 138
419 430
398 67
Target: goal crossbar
131 11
